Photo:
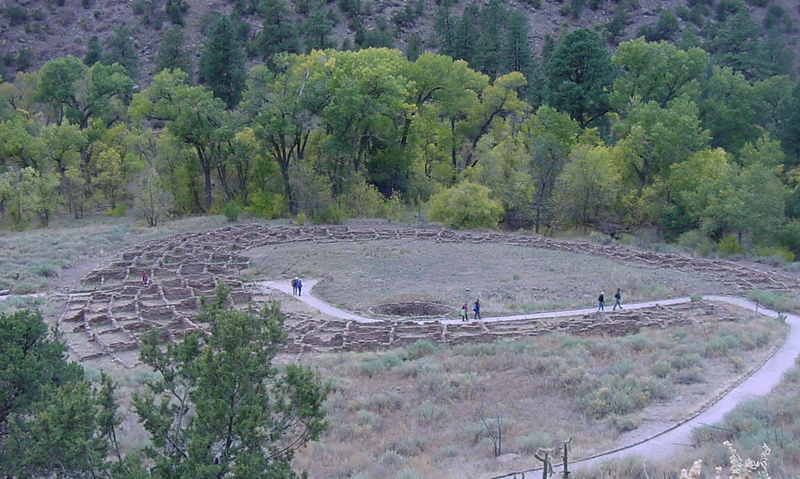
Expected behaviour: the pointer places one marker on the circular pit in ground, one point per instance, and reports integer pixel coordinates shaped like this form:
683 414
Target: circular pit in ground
412 308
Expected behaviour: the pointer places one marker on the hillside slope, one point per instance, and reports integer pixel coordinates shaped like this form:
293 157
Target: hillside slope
35 31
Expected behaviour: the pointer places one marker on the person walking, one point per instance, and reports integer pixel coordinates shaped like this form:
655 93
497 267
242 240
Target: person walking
617 299
299 288
144 277
601 302
477 309
294 286
464 315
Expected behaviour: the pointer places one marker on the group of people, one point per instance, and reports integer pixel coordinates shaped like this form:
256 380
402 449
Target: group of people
476 308
601 301
297 287
297 290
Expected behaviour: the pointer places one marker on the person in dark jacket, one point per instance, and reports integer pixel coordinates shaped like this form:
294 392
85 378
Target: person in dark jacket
477 309
601 302
617 299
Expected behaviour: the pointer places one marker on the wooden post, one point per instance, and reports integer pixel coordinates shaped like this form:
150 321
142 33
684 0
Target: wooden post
565 458
543 455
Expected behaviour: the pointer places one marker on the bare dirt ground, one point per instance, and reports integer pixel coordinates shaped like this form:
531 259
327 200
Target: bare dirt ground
363 268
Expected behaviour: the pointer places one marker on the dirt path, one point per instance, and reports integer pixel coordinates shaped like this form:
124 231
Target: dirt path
670 439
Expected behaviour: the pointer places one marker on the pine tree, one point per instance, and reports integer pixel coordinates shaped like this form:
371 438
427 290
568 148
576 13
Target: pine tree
518 55
94 51
172 51
278 32
121 50
222 63
466 34
580 75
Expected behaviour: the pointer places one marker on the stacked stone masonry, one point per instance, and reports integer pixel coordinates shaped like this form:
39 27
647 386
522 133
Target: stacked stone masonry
108 320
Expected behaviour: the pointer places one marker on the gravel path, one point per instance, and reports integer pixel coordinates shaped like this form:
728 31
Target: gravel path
675 438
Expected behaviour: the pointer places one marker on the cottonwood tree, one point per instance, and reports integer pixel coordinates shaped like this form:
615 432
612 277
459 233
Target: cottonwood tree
150 200
588 186
285 110
27 193
220 407
192 114
658 72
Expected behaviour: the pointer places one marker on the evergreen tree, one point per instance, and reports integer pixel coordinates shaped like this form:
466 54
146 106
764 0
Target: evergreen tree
414 48
518 55
222 63
278 32
579 76
176 9
466 34
789 128
121 50
172 52
94 51
445 30
318 29
30 361
248 418
489 48
735 43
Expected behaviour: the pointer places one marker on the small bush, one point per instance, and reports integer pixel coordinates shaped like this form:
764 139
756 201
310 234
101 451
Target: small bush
466 205
600 238
729 246
767 253
332 214
532 442
16 14
365 418
463 386
625 423
24 287
696 242
639 343
429 413
420 349
385 402
660 369
231 210
418 368
684 361
690 375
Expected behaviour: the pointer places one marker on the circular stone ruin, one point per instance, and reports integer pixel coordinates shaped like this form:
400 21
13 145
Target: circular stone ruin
414 309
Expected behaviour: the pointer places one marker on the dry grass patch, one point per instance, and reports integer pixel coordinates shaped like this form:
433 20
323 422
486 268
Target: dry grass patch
418 409
507 279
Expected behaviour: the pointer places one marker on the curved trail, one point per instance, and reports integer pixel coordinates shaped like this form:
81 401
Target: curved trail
674 439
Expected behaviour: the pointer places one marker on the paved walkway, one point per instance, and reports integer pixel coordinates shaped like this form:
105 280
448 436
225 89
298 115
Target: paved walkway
675 439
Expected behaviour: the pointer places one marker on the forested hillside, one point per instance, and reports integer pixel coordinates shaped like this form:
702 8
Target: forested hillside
303 109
